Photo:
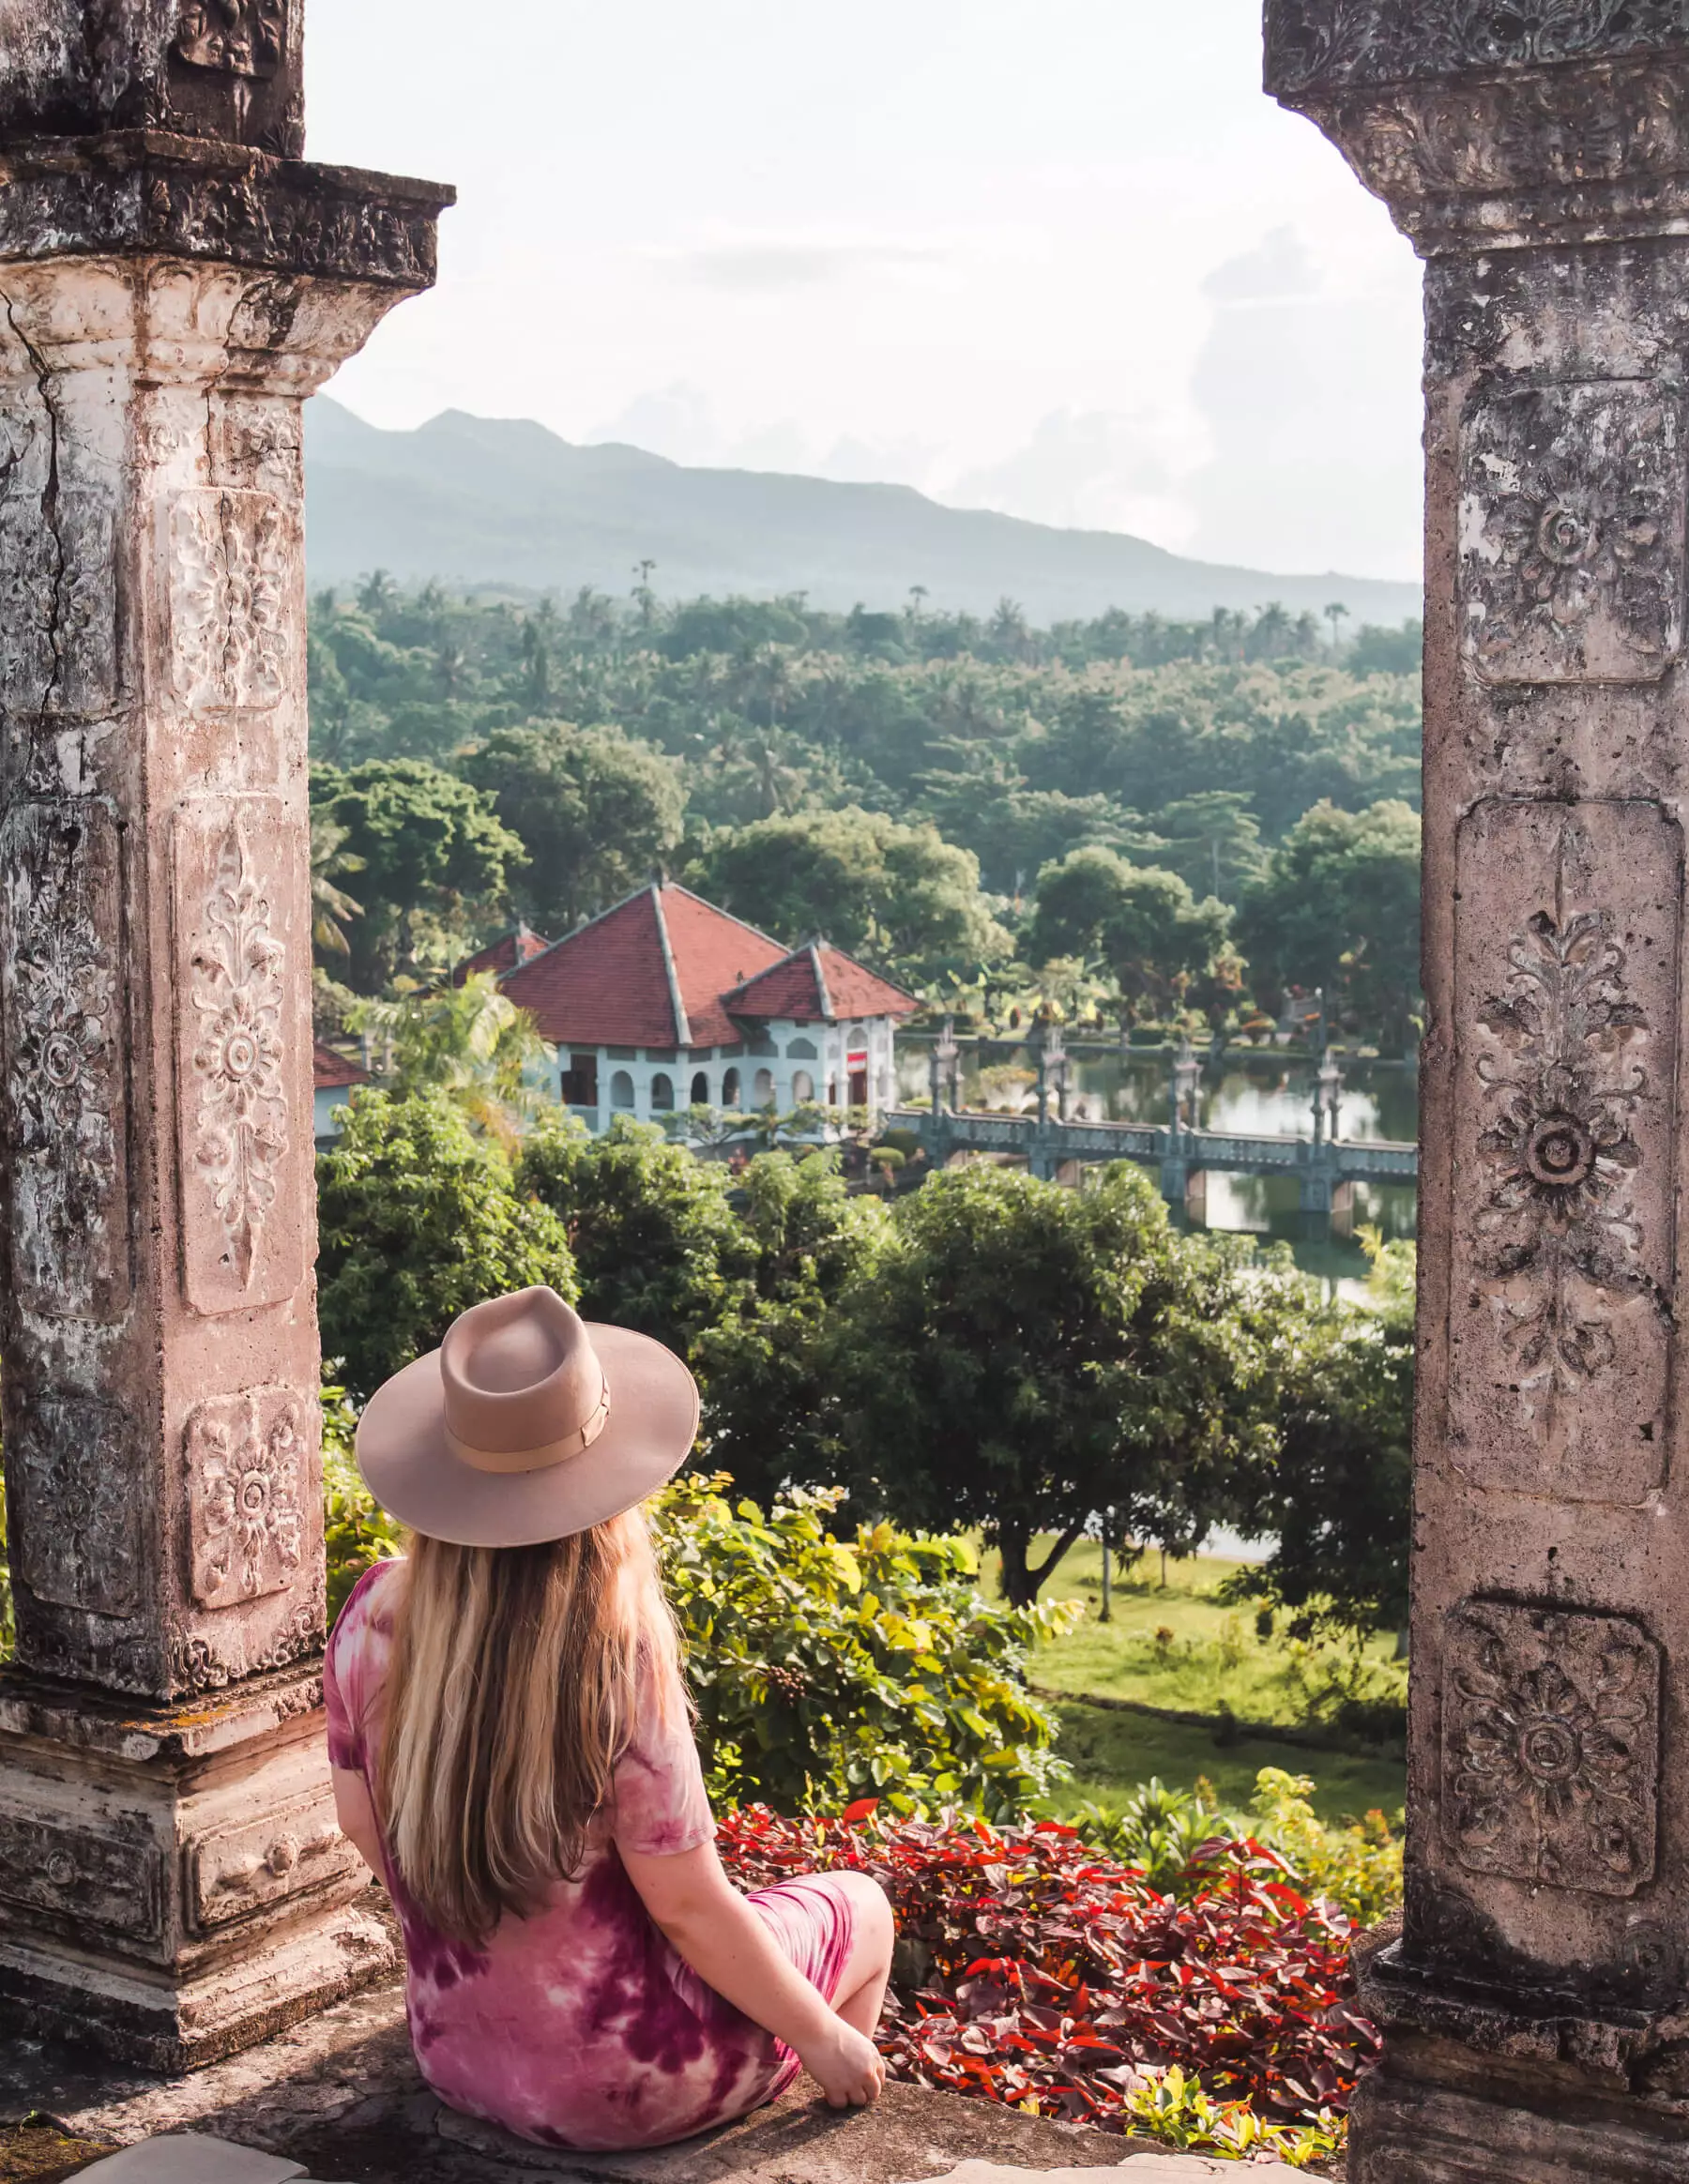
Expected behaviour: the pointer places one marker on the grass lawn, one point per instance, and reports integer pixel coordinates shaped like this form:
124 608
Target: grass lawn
1183 1648
1112 1753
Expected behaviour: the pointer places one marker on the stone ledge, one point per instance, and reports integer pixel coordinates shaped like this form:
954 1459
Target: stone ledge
139 192
341 2096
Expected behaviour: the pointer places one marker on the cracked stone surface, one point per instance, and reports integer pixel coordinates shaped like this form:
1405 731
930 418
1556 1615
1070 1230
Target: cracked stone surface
175 282
340 2095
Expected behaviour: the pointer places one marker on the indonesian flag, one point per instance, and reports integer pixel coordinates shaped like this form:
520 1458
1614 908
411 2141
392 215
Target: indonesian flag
857 1061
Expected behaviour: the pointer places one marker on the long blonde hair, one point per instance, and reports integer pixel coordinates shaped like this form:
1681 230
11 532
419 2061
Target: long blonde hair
516 1676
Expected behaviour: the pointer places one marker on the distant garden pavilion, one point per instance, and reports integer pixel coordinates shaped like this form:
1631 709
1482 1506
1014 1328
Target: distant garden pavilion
666 1003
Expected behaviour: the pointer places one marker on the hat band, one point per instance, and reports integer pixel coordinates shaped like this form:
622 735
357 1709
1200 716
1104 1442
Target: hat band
540 1459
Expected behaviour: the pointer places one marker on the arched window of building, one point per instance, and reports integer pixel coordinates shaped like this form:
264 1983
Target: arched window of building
700 1092
801 1050
763 1090
663 1094
621 1090
730 1089
832 1092
803 1087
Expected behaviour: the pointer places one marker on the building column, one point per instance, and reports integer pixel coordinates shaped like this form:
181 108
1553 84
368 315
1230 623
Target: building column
171 1881
1534 2007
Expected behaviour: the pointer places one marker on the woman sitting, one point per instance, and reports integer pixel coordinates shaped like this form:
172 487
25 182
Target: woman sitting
512 1753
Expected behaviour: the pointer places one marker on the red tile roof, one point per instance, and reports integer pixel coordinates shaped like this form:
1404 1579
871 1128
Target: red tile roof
507 954
651 972
334 1073
820 984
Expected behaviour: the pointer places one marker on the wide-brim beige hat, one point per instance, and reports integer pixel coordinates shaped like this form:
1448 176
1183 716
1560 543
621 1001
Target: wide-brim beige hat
526 1424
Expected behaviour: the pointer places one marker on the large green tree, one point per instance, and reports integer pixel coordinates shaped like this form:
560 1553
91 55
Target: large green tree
1338 907
1021 1356
419 1219
433 860
656 1246
867 882
595 810
1335 1491
1145 923
770 1406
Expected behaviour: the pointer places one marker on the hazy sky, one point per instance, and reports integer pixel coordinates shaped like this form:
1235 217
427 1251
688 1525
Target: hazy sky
1058 257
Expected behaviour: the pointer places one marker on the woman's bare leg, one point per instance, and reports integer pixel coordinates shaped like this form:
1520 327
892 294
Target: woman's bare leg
861 1989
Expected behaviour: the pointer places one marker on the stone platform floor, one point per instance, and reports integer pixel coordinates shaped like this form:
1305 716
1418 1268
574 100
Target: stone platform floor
341 2097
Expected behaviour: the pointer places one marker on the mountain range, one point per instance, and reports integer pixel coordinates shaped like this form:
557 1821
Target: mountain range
481 501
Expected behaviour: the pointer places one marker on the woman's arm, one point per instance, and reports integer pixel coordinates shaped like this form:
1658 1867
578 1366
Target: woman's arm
357 1816
690 1898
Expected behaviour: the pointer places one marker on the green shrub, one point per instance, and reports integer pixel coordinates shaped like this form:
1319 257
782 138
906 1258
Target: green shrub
1160 1830
825 1670
357 1531
1172 2109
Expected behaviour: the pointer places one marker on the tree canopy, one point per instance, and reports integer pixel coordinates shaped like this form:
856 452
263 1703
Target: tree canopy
595 812
1023 1355
429 851
1145 923
419 1219
898 779
1338 906
866 881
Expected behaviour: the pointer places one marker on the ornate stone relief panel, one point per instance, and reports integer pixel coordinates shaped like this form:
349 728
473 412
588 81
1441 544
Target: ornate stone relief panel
248 1485
79 1873
1551 1746
1382 41
1566 976
1572 533
76 1507
66 1105
242 1231
201 1663
230 554
247 1868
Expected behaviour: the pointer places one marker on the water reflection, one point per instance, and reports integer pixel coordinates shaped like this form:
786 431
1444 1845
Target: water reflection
1254 1093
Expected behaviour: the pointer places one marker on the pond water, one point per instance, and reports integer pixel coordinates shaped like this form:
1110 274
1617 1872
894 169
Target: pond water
1255 1092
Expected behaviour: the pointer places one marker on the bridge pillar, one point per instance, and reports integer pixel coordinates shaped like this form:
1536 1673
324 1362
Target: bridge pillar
1316 1193
1175 1179
1535 2006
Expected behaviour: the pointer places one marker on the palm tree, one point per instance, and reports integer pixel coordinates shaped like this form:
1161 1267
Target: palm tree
1336 613
470 1042
377 592
330 903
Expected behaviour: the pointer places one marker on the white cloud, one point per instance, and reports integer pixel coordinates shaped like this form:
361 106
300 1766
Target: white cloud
1090 470
899 250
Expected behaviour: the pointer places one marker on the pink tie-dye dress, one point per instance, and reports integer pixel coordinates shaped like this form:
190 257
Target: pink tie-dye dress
582 2026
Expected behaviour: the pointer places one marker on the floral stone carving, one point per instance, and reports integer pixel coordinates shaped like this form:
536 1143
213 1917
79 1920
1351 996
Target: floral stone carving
239 38
1561 1327
247 1493
1572 527
234 1062
1551 1746
230 554
77 1510
1321 42
65 1100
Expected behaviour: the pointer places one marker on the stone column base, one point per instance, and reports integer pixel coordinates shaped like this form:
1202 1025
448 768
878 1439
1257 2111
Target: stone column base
1481 2086
173 1884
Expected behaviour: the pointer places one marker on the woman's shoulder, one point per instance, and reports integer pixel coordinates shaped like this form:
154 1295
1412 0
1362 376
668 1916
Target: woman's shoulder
369 1606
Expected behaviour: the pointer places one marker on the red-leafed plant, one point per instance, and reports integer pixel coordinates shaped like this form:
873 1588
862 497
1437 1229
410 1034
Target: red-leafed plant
1033 1969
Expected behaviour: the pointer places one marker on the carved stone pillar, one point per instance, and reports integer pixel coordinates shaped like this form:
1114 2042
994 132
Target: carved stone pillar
1537 2006
171 1879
